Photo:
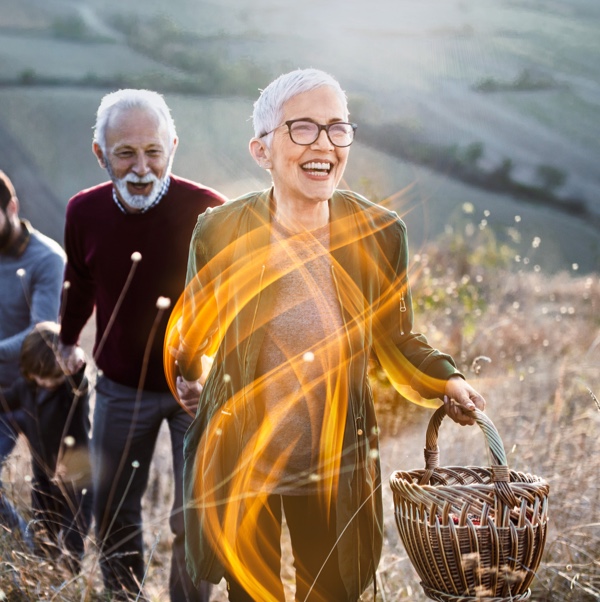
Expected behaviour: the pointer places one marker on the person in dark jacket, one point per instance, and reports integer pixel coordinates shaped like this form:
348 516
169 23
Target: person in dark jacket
290 291
57 427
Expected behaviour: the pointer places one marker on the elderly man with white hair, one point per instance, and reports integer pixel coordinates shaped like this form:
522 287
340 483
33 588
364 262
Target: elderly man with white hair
126 242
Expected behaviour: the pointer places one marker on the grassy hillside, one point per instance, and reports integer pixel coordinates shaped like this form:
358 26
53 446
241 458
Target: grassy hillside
504 93
422 65
51 127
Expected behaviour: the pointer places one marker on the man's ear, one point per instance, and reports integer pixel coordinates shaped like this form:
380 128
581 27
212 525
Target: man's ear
261 153
12 209
99 154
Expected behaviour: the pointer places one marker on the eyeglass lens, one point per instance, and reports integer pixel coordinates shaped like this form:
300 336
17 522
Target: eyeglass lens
306 132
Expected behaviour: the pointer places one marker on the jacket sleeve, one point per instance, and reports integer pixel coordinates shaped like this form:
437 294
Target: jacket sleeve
10 398
196 322
405 355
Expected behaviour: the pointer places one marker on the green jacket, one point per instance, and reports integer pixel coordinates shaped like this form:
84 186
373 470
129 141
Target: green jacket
369 258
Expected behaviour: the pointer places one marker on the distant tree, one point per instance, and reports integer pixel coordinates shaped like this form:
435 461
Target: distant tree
28 76
127 24
473 153
72 27
487 84
550 177
165 27
525 81
528 80
502 173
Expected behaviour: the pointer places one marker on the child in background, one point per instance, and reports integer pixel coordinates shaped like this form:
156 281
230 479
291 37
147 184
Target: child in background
57 428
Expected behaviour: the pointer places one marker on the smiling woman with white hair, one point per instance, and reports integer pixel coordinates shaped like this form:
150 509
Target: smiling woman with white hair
291 290
268 109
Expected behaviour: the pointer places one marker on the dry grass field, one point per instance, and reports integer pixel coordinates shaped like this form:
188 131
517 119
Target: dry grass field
541 334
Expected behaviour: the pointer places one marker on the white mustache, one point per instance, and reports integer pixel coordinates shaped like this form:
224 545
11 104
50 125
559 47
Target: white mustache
150 179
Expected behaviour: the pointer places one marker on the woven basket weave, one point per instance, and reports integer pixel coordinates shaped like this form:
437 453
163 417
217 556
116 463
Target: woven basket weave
472 534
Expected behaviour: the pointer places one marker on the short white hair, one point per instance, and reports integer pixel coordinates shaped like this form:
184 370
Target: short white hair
268 108
130 98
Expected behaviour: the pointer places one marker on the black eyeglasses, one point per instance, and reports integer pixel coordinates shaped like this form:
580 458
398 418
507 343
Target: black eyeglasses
304 132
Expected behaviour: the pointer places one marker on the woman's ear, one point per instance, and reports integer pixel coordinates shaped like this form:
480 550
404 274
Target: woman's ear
261 153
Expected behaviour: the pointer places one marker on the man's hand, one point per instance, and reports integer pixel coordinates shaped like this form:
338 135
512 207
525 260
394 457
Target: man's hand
189 393
71 358
461 398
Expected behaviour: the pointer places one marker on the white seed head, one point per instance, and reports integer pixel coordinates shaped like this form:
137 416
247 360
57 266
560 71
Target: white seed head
136 256
163 303
21 273
69 441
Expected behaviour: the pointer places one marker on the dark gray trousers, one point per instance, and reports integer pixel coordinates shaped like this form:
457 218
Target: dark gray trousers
124 432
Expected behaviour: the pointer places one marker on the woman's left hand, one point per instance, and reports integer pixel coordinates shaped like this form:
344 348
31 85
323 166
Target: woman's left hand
460 398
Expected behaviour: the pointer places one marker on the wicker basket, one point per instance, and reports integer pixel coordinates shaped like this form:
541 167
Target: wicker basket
472 533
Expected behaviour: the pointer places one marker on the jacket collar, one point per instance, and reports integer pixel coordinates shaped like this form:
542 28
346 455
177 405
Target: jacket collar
339 217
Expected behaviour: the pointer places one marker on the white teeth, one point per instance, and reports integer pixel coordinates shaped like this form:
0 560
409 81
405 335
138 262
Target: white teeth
317 165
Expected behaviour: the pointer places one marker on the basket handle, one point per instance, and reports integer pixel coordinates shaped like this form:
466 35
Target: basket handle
499 468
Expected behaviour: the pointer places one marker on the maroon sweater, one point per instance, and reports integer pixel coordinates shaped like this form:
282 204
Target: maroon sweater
99 241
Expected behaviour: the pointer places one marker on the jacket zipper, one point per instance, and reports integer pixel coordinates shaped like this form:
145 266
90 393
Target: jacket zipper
402 311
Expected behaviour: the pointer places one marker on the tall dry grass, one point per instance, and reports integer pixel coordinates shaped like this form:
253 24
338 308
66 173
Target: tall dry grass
529 341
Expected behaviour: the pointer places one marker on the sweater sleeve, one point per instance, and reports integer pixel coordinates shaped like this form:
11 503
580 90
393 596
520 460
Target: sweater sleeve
79 297
43 281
